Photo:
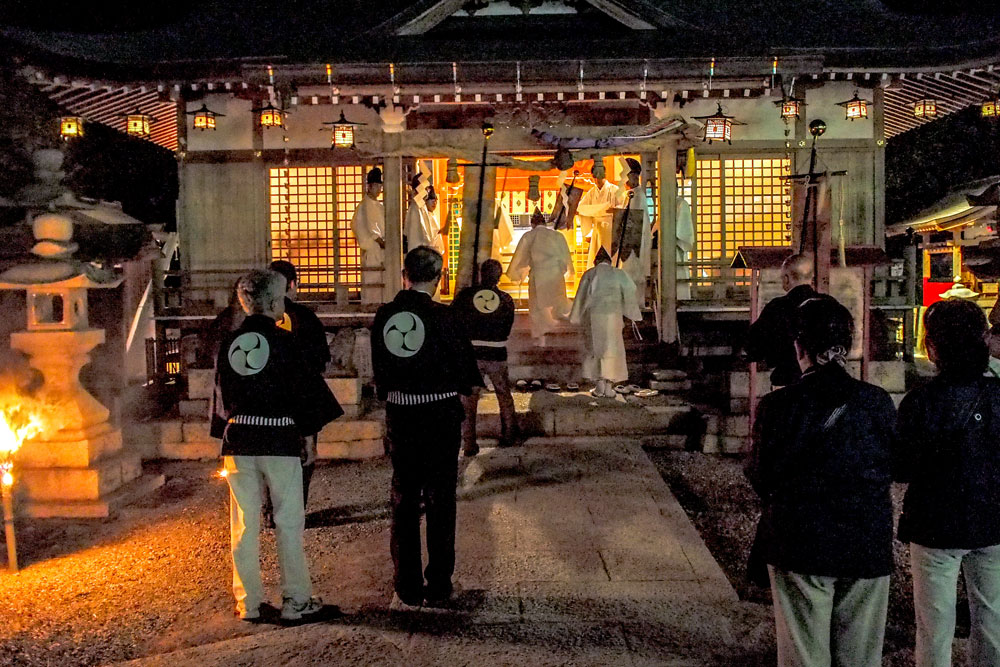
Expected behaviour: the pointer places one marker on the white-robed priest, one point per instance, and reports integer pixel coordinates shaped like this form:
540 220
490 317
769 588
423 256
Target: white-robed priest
633 197
368 225
605 296
596 211
421 226
544 253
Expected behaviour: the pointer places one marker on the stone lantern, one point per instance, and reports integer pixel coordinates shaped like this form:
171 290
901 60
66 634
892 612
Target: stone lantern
76 467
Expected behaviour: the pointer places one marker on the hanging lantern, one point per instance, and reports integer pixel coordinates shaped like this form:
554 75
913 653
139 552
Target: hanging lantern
343 132
452 176
925 108
137 123
856 108
70 127
270 116
791 107
204 118
991 107
533 192
719 126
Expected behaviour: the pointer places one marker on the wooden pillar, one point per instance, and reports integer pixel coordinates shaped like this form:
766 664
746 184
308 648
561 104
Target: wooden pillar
878 186
667 161
470 205
392 198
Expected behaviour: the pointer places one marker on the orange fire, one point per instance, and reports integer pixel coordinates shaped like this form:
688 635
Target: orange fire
17 424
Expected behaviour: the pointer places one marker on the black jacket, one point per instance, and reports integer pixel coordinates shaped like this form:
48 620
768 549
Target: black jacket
949 452
820 461
418 347
310 335
260 373
487 315
771 334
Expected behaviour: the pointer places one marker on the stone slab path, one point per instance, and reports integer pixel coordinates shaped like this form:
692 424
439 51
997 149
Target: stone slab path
570 552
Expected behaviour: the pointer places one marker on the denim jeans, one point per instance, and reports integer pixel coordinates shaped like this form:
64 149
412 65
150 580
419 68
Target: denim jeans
935 580
822 621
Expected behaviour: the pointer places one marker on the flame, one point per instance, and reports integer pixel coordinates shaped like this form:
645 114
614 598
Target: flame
17 424
222 473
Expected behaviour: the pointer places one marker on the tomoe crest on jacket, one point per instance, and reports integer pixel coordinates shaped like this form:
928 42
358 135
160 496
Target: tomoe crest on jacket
249 353
404 334
486 301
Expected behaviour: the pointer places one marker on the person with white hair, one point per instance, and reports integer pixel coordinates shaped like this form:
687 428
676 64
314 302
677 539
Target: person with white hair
265 403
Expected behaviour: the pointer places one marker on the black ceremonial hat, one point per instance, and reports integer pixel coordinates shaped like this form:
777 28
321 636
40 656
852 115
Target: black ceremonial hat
633 166
374 176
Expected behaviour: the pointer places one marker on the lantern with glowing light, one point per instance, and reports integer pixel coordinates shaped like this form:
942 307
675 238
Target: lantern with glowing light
719 126
137 123
270 116
855 108
790 107
991 107
343 132
452 177
925 107
204 118
70 127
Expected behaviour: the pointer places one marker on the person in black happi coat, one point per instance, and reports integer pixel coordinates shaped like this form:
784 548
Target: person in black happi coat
423 363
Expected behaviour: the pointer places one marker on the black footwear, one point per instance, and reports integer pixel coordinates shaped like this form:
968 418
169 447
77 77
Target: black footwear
471 450
437 597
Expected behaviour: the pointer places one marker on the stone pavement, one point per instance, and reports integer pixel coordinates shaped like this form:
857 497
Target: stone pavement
570 551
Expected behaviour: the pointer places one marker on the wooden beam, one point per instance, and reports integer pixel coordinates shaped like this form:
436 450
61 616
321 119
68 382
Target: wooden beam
430 17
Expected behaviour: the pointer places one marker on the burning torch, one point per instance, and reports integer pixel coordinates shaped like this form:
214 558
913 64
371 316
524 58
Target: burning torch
15 427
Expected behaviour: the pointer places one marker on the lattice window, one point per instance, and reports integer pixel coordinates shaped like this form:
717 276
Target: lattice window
310 213
350 190
739 201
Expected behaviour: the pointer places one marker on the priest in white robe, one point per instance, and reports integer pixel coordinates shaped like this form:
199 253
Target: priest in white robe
684 247
604 297
503 230
368 225
637 266
543 256
421 226
596 211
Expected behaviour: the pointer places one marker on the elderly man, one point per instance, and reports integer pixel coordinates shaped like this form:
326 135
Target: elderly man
544 253
265 402
422 362
770 336
368 225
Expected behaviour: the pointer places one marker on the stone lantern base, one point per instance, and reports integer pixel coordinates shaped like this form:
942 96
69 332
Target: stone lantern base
79 470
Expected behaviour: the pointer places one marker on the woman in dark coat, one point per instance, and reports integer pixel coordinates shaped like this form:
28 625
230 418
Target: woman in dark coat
949 452
820 461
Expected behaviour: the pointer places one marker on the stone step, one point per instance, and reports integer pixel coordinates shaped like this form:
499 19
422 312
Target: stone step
98 508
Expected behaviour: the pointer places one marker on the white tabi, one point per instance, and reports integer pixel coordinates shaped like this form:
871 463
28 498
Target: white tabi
368 225
422 228
605 295
544 252
637 266
596 217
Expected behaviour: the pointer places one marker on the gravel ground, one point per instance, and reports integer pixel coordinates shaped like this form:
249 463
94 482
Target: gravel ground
157 577
719 501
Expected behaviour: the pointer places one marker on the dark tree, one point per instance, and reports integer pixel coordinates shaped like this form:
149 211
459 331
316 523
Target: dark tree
922 165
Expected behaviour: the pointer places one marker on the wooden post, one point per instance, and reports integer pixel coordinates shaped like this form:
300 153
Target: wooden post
8 527
667 162
470 204
393 201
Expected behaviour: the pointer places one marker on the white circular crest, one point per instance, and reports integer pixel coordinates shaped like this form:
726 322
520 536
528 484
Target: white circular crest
404 334
249 353
486 301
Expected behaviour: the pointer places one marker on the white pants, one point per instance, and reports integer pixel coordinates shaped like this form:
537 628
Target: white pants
821 621
935 579
283 476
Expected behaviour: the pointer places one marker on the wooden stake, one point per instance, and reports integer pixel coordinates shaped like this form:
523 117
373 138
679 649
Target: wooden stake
8 527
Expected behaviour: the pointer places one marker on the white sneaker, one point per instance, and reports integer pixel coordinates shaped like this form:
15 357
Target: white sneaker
294 611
